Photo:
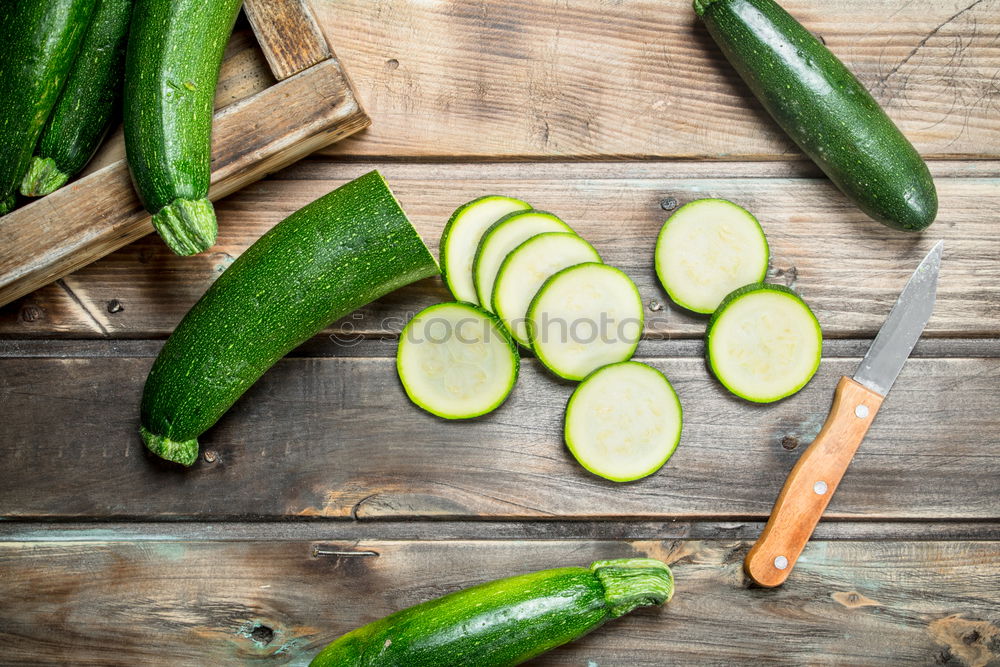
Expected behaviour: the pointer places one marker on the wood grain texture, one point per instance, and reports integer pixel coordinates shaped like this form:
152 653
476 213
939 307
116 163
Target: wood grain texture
288 35
811 483
642 78
337 438
848 268
125 603
99 213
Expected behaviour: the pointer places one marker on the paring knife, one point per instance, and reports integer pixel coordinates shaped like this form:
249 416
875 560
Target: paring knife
815 477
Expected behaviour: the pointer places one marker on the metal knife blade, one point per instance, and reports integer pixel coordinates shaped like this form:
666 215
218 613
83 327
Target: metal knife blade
902 329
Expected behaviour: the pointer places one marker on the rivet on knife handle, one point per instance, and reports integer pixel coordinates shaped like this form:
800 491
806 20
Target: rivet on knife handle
811 484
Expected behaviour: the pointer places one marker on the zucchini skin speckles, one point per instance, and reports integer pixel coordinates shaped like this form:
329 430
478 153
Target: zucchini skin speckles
331 257
822 106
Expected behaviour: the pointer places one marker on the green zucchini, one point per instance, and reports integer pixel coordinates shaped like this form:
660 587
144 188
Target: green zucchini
40 40
84 111
623 421
583 317
331 257
763 343
171 69
456 361
824 109
708 248
504 622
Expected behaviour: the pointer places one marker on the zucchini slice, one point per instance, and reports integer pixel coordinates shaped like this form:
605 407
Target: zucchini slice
624 421
456 361
526 268
764 343
461 238
708 248
584 317
499 240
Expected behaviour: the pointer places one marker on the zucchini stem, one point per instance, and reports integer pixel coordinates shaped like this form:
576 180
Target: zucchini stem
701 5
184 452
7 204
43 177
187 226
633 582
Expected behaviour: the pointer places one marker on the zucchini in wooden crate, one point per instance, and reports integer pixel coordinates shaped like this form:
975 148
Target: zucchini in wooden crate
172 65
85 108
331 257
40 41
505 622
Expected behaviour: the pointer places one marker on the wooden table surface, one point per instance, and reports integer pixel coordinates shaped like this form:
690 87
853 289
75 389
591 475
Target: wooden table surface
325 500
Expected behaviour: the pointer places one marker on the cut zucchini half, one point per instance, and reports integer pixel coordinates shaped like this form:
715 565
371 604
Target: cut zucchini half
456 361
584 317
708 248
499 240
461 236
624 421
764 343
526 268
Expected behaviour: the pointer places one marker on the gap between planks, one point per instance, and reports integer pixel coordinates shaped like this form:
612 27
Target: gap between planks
325 530
328 346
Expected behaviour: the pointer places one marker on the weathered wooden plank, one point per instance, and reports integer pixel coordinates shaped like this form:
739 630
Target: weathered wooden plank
99 213
288 35
642 78
124 603
336 437
850 269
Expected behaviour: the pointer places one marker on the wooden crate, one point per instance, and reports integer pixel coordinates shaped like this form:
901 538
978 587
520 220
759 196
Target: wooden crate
310 105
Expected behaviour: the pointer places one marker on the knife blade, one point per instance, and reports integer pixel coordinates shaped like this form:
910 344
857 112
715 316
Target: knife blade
906 321
818 472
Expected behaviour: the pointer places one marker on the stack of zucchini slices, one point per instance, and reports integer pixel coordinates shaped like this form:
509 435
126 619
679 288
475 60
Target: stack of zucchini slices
521 276
763 342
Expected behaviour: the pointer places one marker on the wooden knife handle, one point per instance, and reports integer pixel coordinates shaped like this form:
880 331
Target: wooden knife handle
811 484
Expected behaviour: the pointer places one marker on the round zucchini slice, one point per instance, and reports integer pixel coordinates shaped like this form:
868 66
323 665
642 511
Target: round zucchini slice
764 343
624 421
456 361
708 248
584 317
499 240
526 268
461 238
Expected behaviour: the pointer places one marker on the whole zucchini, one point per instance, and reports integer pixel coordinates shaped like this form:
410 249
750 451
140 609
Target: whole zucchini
327 259
40 41
824 109
504 622
172 65
83 113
